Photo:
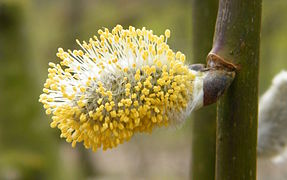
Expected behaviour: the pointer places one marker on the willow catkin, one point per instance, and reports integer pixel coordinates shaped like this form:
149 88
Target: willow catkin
120 83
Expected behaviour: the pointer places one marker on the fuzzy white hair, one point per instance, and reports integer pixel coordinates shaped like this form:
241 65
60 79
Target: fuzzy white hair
272 130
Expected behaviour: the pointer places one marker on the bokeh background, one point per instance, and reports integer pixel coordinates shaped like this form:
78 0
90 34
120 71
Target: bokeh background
30 33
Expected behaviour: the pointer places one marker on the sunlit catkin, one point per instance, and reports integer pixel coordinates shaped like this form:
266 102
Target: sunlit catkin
118 84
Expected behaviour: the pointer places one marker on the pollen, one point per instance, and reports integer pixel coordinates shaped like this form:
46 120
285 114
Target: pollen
120 83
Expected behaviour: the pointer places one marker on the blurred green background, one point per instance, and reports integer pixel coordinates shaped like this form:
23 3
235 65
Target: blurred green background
30 33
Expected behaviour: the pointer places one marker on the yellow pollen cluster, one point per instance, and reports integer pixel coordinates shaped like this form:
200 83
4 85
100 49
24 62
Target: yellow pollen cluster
124 82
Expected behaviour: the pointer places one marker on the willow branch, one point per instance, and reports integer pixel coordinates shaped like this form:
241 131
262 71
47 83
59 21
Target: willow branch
236 47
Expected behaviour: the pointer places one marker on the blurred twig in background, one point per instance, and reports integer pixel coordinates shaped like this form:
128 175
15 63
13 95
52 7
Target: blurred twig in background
203 122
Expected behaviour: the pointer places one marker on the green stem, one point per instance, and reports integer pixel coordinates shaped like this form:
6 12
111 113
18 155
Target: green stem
203 128
236 42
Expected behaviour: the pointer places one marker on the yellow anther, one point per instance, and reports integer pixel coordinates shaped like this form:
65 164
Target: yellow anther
81 103
52 64
105 126
128 85
100 101
113 114
82 89
182 57
83 118
48 111
137 77
145 55
139 84
120 104
45 90
60 50
167 33
134 95
100 32
169 52
177 55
